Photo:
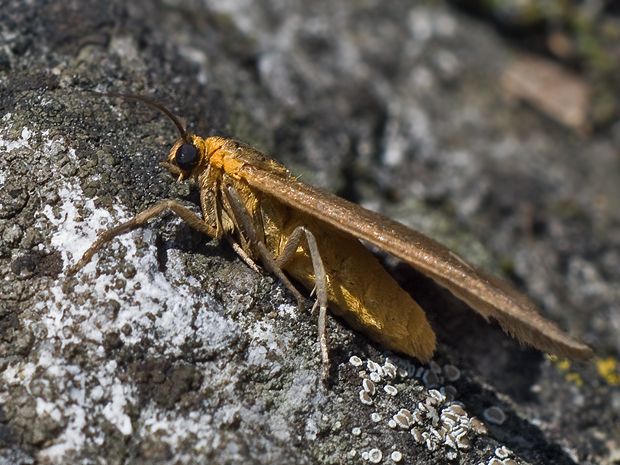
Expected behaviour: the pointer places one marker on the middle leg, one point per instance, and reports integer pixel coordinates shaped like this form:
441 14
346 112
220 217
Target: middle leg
320 282
276 266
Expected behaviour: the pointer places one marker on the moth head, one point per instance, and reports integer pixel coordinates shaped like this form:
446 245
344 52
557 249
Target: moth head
189 150
187 154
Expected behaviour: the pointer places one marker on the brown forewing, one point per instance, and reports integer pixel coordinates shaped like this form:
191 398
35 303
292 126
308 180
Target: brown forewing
488 295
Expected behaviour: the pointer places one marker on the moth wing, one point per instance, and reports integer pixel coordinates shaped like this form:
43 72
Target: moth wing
488 295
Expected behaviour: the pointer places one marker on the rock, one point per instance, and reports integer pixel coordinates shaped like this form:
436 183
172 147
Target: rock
167 347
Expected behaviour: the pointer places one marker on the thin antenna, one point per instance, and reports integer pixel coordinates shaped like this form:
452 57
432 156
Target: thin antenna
182 132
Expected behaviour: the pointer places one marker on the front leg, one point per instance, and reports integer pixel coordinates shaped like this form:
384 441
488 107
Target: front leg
186 215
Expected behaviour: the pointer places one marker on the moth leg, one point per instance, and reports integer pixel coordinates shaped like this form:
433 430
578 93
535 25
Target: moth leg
244 223
276 265
184 213
243 255
320 282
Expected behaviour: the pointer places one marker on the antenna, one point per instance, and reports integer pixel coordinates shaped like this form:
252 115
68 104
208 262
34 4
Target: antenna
182 132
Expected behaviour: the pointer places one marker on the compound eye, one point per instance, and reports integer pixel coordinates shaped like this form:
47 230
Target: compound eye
187 157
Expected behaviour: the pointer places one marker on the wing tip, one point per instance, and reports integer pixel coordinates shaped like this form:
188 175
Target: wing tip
576 352
549 339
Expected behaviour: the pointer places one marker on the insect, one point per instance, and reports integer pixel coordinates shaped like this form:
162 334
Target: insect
312 235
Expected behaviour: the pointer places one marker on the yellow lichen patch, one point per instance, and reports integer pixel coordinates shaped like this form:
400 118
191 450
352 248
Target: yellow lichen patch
561 363
564 365
574 378
609 370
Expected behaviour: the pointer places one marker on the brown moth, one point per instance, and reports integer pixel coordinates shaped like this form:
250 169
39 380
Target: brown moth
313 236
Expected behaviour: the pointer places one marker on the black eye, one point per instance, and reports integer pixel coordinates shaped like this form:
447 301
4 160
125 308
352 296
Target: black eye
187 157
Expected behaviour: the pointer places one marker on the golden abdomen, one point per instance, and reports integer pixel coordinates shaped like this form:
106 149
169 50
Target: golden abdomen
360 290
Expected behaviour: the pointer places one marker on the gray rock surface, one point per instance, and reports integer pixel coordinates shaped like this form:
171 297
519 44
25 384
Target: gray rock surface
168 349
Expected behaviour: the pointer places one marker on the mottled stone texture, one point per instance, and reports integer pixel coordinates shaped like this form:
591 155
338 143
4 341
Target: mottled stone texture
168 349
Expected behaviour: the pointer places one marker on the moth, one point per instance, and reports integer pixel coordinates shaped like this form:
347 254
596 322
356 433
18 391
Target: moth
313 236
